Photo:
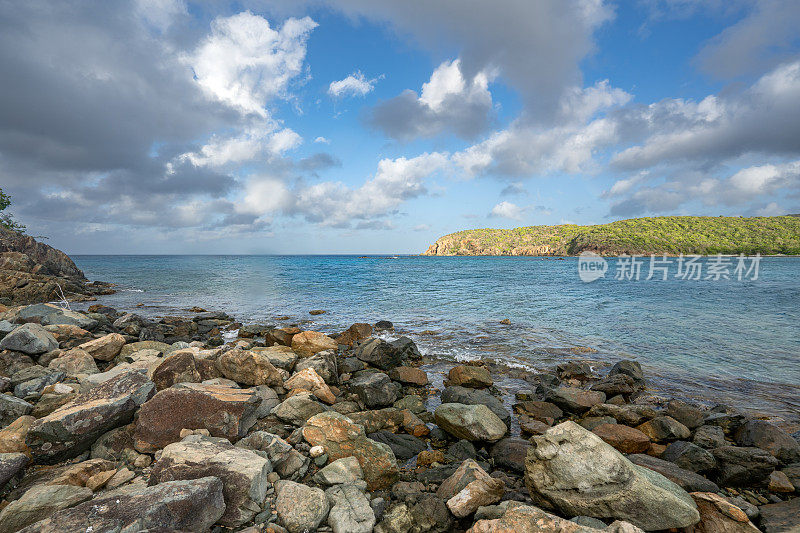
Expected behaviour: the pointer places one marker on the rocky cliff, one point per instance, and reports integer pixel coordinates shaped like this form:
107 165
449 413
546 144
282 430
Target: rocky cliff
32 271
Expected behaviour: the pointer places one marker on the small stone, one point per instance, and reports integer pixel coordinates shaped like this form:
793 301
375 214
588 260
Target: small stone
99 480
664 428
316 451
779 482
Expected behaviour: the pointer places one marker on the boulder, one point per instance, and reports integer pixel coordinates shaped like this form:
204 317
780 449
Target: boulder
685 479
12 437
12 408
689 416
623 438
709 437
31 339
286 461
617 384
35 386
378 353
350 510
342 438
70 318
354 333
72 428
300 508
280 356
510 453
470 422
38 503
664 428
403 446
344 470
105 348
307 343
389 418
780 517
762 434
193 505
178 367
743 467
628 368
574 471
409 375
249 368
243 473
223 411
11 464
323 363
572 399
308 380
406 348
717 515
689 456
517 517
579 370
298 408
467 396
468 488
375 389
74 363
474 377
545 412
780 482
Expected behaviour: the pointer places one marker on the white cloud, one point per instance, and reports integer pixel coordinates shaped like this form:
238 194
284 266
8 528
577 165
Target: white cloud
322 140
160 13
422 227
244 62
353 85
508 210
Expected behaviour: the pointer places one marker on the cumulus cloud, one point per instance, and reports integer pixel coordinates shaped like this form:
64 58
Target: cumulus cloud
356 84
322 140
507 210
448 102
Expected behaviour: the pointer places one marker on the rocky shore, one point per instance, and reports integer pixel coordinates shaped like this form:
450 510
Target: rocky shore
110 421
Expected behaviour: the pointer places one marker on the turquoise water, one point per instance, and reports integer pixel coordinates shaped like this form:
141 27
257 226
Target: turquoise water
731 341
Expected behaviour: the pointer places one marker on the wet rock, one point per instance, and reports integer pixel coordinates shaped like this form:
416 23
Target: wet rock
542 411
468 488
623 438
193 505
574 471
344 470
709 437
12 408
467 396
300 508
780 517
280 356
717 515
729 422
286 461
628 368
743 467
375 389
474 377
307 343
689 456
281 336
617 384
461 450
350 510
249 368
404 447
664 428
762 434
409 375
342 438
378 353
689 416
105 348
30 339
298 408
470 422
71 429
354 333
685 479
243 473
38 503
253 330
308 380
11 464
223 411
573 400
12 437
510 453
574 370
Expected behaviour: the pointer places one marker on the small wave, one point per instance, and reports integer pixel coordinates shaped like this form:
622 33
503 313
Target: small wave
131 290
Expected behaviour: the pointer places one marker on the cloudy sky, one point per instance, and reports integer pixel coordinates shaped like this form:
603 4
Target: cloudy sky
373 126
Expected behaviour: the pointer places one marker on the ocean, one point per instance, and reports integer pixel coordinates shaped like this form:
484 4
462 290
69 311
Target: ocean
720 340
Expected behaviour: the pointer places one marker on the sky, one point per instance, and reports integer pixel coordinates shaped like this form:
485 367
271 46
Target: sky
377 126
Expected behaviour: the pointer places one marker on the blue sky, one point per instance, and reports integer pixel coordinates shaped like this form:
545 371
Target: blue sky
355 126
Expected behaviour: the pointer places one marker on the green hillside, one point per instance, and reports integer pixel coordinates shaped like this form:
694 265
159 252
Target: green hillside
652 235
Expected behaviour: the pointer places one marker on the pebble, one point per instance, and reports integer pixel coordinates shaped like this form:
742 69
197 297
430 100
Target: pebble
316 451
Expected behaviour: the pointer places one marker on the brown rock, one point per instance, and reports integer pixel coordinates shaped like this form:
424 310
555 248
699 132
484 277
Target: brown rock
664 428
307 343
223 411
342 438
99 480
718 515
65 332
468 488
80 473
779 482
105 348
178 367
521 518
409 375
428 457
475 377
74 362
413 425
354 333
308 379
12 437
623 438
542 411
249 368
281 336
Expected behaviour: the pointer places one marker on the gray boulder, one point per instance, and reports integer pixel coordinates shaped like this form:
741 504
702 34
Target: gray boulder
573 470
689 456
743 467
12 408
300 508
762 434
685 479
403 446
350 509
298 408
286 461
10 465
38 503
467 396
344 470
375 389
470 422
31 339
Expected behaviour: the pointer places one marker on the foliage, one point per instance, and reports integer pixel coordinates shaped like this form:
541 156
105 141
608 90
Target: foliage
6 219
652 235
